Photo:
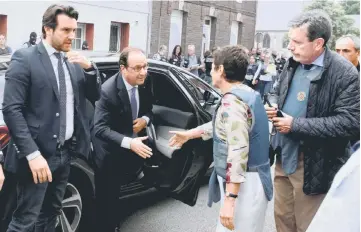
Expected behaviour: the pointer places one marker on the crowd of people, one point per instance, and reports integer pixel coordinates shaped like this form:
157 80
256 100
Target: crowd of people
263 69
314 107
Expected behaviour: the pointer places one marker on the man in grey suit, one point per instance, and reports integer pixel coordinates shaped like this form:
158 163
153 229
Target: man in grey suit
44 108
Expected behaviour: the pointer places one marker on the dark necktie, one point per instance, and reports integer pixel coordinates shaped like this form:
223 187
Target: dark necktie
62 94
307 66
134 103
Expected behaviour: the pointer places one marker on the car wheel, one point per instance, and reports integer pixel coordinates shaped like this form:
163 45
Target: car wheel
70 216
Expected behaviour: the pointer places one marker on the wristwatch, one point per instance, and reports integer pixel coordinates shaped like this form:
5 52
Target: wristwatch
228 194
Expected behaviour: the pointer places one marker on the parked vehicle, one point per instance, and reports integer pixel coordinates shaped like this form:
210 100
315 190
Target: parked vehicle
181 101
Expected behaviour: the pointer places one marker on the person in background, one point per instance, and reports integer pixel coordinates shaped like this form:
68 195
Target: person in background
32 40
253 72
348 46
258 54
253 52
192 62
246 50
176 58
208 61
85 45
239 129
280 62
161 55
340 209
4 50
268 71
319 96
261 57
274 55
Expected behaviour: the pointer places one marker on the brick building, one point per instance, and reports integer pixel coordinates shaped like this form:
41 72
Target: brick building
203 23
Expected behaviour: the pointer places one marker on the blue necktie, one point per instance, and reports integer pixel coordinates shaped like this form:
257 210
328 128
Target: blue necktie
62 94
134 103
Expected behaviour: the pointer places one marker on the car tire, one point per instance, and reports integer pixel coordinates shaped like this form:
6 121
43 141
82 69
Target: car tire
77 213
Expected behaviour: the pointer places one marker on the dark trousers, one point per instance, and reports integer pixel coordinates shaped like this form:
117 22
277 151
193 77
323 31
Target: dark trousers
264 87
7 200
117 169
39 205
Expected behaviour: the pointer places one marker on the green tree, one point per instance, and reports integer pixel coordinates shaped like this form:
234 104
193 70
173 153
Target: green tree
351 7
341 24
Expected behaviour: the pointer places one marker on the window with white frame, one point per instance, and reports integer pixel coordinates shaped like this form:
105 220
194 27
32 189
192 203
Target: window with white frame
79 36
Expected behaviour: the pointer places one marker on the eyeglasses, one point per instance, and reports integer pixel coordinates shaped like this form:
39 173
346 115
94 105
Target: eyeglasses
138 68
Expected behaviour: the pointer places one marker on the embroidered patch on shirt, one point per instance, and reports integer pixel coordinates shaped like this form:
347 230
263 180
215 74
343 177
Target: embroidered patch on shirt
301 96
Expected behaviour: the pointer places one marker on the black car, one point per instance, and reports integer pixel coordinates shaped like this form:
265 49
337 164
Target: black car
181 101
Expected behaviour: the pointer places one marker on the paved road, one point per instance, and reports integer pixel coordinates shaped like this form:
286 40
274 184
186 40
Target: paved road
153 212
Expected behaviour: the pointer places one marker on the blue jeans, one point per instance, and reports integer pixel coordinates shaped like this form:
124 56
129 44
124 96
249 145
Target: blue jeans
265 87
39 205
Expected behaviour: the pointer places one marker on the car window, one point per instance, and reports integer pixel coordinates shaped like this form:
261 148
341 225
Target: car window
107 73
198 87
165 93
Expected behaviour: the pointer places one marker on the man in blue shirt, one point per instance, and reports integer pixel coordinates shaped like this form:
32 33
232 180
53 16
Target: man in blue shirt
319 94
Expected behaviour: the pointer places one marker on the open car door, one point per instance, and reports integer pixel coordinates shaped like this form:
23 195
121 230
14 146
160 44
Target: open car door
177 172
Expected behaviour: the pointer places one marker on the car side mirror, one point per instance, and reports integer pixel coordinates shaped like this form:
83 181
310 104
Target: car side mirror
209 99
206 95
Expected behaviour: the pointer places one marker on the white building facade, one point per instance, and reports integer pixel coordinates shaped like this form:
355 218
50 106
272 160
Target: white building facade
105 25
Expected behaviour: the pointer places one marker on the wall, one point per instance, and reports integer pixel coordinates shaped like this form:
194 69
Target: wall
193 18
27 18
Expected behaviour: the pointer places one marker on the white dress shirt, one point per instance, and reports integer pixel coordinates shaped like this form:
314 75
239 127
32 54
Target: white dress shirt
127 140
69 96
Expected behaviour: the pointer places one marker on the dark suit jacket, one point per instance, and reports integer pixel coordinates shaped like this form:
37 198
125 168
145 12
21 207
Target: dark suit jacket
113 121
31 104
